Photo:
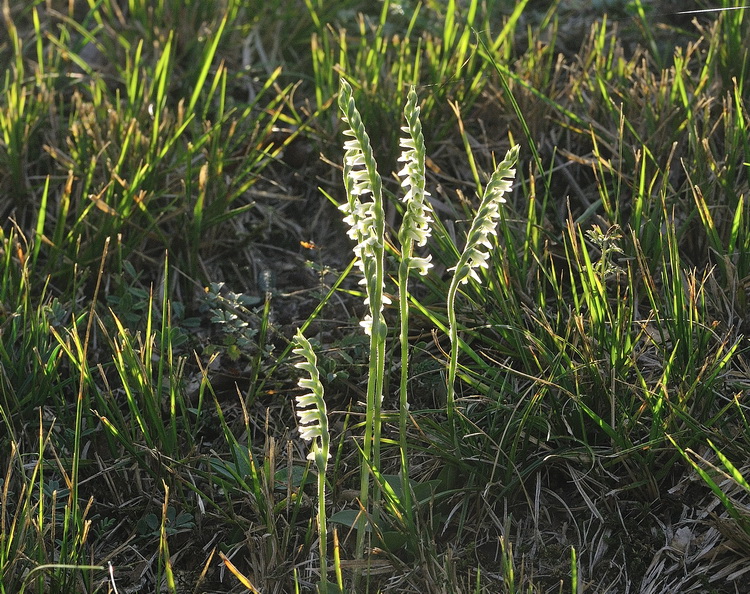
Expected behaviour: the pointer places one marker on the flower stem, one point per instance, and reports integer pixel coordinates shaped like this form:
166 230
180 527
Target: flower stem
403 303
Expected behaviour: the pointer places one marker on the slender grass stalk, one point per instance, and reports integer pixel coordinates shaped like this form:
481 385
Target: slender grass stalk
75 517
164 571
414 227
337 561
313 421
367 228
475 255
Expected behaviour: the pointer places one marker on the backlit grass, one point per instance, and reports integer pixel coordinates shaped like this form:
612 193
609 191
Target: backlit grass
574 418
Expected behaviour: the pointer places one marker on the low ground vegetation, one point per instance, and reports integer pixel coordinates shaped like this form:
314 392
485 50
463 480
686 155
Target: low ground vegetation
180 296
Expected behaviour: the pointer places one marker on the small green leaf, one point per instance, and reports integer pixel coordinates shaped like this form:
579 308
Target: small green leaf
346 517
393 541
294 477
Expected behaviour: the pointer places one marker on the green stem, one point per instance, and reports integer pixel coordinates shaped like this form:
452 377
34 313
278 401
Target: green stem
403 303
377 420
364 484
322 527
371 445
380 331
450 402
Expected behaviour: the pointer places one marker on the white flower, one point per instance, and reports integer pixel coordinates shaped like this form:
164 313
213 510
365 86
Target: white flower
366 220
422 265
416 223
366 323
484 224
415 226
311 407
